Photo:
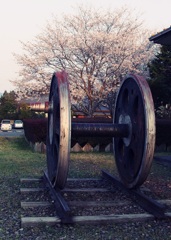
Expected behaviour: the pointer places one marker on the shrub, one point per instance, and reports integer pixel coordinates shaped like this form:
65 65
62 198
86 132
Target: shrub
35 130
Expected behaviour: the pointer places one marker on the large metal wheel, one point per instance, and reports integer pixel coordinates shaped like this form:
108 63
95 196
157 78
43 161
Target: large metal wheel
59 131
134 154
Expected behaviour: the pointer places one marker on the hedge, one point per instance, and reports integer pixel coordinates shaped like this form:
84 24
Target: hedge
36 131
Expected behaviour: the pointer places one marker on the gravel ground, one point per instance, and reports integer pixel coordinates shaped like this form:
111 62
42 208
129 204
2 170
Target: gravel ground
158 185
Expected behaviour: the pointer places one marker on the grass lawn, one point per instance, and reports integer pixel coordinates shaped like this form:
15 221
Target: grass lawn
18 159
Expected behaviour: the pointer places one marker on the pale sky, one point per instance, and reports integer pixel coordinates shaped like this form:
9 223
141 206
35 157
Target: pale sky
22 20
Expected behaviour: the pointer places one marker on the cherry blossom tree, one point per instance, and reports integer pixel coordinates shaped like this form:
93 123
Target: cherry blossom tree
97 49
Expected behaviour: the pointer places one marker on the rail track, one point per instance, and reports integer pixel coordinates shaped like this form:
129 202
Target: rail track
88 201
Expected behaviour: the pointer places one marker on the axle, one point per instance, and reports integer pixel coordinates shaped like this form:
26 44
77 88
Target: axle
100 130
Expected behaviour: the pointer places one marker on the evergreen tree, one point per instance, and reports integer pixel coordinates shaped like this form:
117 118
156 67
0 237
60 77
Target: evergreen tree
24 111
10 108
8 105
160 77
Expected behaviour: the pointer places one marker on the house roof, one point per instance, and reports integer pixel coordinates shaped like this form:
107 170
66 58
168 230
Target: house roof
163 37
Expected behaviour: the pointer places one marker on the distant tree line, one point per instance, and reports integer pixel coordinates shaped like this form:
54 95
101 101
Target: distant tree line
11 108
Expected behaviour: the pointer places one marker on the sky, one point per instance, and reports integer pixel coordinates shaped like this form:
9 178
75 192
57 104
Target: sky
22 20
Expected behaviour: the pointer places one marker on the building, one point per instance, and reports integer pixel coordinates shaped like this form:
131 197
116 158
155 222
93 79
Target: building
163 37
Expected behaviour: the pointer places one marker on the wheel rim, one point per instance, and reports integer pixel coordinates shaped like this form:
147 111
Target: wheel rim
58 134
133 155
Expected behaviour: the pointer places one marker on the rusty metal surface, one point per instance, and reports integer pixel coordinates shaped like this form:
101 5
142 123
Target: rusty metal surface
134 155
59 130
61 206
92 120
99 130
